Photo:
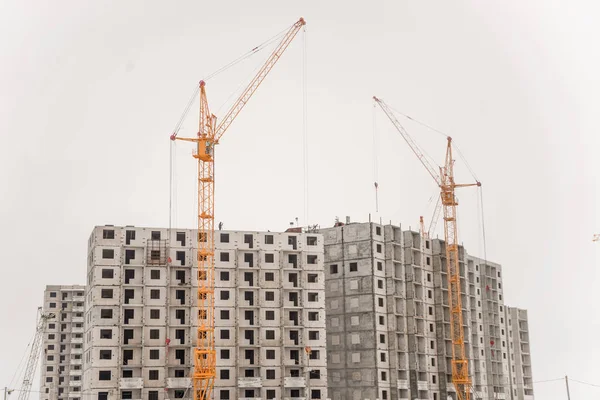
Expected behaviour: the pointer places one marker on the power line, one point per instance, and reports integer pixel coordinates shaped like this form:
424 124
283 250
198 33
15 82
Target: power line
584 383
26 391
548 380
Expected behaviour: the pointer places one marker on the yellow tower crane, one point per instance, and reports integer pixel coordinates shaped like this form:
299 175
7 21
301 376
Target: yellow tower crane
209 134
445 180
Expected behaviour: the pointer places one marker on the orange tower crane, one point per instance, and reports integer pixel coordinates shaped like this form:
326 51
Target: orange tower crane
424 234
209 134
445 180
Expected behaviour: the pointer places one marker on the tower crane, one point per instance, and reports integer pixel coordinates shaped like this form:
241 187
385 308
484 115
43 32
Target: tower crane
34 355
209 135
445 180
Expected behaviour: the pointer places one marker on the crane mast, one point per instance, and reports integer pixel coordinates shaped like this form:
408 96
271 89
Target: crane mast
208 136
424 234
34 355
445 180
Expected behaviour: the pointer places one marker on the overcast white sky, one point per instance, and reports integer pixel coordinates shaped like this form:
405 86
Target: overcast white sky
90 92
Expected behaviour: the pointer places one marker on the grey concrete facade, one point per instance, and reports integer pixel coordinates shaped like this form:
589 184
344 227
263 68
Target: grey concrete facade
388 321
141 315
521 379
62 363
270 308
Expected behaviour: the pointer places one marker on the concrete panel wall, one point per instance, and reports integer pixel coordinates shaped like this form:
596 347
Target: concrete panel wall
262 279
383 282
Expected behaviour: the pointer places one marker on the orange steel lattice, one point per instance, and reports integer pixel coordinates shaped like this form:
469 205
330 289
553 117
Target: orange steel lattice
208 136
445 180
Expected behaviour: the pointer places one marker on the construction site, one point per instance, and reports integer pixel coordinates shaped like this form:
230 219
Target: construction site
341 310
356 311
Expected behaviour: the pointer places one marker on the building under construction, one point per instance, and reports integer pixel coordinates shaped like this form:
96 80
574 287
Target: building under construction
142 318
388 319
62 354
382 291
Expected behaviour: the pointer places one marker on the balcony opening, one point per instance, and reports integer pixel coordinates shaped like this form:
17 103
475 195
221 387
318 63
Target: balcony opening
293 296
128 315
294 336
293 241
249 355
295 355
293 259
129 236
180 315
180 276
293 279
249 277
129 255
129 275
249 336
181 238
180 295
249 297
129 295
127 356
249 316
180 335
180 355
180 256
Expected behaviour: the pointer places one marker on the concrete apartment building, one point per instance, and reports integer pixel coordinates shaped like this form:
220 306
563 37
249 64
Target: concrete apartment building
521 380
388 321
62 364
386 314
141 314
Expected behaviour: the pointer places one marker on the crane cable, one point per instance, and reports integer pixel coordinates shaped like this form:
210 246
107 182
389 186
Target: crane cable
305 125
375 159
20 370
172 184
219 71
463 158
483 225
186 110
421 150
